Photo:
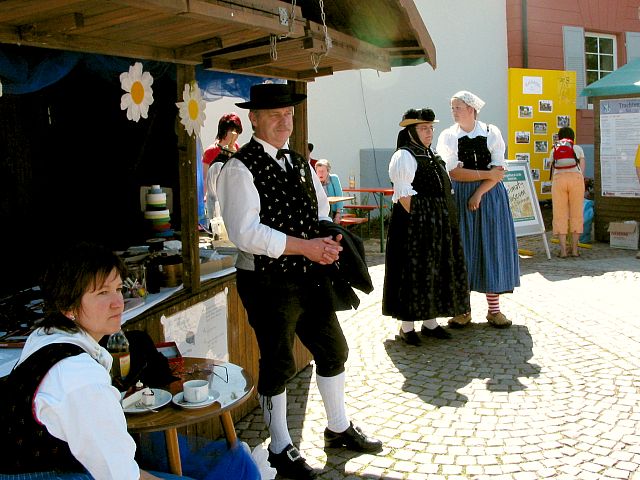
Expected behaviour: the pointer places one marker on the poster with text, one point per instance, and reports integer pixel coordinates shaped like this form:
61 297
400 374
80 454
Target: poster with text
201 330
525 209
619 140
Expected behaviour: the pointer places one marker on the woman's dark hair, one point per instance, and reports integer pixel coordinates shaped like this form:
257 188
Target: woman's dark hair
566 132
78 269
229 121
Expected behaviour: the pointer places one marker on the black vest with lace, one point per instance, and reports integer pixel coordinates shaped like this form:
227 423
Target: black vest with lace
29 447
474 153
288 204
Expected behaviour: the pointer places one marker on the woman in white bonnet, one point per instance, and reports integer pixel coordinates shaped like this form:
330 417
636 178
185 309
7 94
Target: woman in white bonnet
474 154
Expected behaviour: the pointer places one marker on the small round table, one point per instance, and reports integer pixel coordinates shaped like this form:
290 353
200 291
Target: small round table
232 382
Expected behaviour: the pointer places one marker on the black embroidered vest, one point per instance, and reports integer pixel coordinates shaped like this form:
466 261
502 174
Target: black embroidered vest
431 178
288 204
29 446
474 153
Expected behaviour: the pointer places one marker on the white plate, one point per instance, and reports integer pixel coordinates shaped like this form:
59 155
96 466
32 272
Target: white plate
161 397
179 401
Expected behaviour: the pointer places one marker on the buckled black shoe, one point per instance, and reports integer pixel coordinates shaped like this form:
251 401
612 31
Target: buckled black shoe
290 464
410 338
437 332
352 439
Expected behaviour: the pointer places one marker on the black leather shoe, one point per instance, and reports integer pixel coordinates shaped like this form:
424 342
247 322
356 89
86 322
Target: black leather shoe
437 332
410 338
352 439
290 464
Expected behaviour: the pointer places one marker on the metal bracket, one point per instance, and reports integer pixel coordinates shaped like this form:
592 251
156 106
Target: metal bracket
284 16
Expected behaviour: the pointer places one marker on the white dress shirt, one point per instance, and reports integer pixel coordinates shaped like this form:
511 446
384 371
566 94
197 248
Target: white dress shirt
77 403
240 204
447 146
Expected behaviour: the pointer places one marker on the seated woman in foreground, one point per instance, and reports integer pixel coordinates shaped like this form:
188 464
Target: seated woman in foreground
64 419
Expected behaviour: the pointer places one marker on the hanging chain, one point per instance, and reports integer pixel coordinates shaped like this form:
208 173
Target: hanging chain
316 57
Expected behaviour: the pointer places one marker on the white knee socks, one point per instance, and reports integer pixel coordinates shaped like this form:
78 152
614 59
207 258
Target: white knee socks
430 324
332 393
406 326
274 411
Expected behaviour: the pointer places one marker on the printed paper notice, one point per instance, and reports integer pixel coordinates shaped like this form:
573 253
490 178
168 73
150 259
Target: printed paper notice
619 140
532 85
201 330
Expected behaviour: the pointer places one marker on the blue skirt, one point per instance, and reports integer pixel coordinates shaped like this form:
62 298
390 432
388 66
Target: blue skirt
488 239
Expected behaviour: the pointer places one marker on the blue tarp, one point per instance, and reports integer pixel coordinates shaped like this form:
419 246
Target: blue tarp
26 70
623 81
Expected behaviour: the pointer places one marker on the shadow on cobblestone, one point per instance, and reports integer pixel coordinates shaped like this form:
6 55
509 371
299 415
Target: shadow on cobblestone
477 357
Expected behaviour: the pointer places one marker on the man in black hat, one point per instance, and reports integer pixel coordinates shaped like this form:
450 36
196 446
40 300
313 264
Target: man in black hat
271 203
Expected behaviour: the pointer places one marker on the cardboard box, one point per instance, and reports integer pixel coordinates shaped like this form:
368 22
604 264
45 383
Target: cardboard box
624 235
217 263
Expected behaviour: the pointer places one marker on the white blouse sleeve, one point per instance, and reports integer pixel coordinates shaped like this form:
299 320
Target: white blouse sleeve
77 404
496 146
447 148
402 170
240 205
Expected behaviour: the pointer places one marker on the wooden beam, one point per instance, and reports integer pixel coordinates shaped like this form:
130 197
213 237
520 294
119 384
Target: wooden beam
256 13
410 12
77 43
188 192
61 24
199 48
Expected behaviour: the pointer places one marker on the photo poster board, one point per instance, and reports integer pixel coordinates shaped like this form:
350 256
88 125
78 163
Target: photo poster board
619 140
525 208
200 330
540 102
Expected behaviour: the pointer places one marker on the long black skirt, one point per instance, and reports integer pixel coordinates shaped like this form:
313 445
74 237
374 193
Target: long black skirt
425 274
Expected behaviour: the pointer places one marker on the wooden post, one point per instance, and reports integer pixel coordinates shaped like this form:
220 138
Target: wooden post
299 137
188 191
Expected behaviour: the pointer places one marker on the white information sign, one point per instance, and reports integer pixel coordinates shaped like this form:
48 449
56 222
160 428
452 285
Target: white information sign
619 140
201 330
525 208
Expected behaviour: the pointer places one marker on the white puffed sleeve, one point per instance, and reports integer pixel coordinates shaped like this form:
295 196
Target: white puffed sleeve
402 170
447 148
495 144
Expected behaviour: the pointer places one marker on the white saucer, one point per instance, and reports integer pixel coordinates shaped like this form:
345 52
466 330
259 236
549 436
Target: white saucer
161 397
179 401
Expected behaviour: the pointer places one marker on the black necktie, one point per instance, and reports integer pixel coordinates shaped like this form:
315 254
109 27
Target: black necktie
282 154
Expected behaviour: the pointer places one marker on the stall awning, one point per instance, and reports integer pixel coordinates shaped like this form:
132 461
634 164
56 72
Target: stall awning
296 40
624 81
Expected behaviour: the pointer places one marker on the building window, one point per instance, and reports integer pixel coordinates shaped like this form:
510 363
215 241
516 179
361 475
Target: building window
600 55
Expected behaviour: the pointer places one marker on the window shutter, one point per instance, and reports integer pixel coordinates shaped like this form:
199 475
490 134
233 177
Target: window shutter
573 44
632 39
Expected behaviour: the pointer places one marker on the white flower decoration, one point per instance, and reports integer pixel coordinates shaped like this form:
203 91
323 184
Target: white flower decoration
139 92
192 109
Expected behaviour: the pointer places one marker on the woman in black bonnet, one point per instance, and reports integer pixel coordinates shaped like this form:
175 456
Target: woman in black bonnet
425 273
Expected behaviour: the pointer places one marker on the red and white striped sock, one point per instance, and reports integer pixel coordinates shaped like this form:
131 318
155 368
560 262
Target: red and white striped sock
493 299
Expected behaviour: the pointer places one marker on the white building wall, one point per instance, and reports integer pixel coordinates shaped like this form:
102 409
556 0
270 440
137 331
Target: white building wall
355 110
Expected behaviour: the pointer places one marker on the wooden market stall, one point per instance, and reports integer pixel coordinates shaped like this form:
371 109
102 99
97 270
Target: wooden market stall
616 103
71 164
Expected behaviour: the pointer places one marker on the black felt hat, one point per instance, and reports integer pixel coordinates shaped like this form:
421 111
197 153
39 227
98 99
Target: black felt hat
413 117
271 95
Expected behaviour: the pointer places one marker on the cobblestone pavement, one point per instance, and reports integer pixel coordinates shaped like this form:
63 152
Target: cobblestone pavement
557 395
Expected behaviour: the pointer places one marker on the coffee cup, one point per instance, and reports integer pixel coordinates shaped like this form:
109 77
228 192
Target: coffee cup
195 391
